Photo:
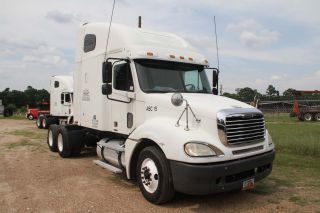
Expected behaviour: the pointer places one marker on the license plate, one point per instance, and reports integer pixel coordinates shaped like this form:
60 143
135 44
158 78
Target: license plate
248 184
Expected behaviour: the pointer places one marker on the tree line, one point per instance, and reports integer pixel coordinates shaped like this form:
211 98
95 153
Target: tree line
14 99
248 94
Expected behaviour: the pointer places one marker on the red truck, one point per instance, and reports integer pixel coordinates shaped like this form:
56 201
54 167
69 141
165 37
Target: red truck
33 113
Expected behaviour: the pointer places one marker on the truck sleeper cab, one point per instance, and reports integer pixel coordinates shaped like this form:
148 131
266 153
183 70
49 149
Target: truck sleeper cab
148 107
61 98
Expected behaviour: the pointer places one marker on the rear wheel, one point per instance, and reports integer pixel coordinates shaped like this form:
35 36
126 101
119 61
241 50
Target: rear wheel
317 117
154 176
307 117
39 122
45 123
69 141
52 138
63 143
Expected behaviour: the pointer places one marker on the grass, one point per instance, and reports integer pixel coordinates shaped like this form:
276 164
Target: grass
28 134
22 142
298 138
14 117
298 200
297 160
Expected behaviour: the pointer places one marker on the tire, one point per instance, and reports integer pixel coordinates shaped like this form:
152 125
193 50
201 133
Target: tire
307 117
30 117
317 116
7 113
45 122
52 138
63 143
69 142
154 176
39 122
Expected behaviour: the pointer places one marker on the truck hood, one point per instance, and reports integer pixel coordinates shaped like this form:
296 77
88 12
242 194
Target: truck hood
206 105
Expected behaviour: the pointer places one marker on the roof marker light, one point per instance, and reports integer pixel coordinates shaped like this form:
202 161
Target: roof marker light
190 59
172 56
181 57
149 53
206 61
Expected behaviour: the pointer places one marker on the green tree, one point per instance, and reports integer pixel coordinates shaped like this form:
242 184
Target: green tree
288 92
271 91
231 95
247 93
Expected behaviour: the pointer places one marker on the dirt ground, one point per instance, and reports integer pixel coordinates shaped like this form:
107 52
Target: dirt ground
32 179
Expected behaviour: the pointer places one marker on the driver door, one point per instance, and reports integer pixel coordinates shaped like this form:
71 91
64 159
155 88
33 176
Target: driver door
122 98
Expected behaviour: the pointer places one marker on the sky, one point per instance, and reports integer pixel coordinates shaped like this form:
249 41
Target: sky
260 42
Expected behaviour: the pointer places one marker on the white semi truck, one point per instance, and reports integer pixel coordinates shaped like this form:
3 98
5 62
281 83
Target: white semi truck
61 98
148 107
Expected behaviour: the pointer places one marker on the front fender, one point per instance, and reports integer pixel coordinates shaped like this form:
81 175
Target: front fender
171 139
164 133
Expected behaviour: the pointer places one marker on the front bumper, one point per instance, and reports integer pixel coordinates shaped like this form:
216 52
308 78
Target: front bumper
200 179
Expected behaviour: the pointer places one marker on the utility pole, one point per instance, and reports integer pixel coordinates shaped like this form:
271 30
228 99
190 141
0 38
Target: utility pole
139 22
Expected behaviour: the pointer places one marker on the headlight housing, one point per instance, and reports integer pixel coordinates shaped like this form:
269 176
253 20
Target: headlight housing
198 149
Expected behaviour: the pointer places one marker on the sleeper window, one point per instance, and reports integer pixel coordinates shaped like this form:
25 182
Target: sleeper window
89 42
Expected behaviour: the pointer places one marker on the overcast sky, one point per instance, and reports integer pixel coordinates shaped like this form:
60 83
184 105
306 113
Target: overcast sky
261 42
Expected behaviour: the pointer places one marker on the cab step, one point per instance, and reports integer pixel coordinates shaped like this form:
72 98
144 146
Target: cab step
107 166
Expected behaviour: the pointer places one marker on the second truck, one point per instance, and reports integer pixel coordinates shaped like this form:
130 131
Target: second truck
147 106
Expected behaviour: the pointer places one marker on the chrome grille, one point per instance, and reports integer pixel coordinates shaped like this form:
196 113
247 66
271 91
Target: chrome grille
242 127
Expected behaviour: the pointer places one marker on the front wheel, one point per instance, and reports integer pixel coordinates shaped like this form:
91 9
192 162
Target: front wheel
154 176
30 117
317 117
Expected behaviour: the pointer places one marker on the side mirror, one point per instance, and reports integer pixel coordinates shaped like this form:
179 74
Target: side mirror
106 89
214 78
106 72
214 91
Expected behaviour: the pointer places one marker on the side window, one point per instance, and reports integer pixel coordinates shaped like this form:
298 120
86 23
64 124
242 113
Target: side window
67 98
122 78
56 84
89 42
62 98
192 80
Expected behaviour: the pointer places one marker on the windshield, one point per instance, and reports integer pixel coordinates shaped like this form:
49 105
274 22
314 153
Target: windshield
166 76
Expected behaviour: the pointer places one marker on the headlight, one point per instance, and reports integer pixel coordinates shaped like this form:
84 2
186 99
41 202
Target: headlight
195 149
269 139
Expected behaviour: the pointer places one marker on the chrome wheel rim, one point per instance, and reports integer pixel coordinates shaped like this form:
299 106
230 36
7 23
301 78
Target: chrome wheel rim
50 138
30 117
317 117
44 122
38 122
149 175
60 142
307 117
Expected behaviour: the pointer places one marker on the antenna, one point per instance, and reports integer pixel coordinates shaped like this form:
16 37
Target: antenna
215 32
105 55
139 22
216 35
